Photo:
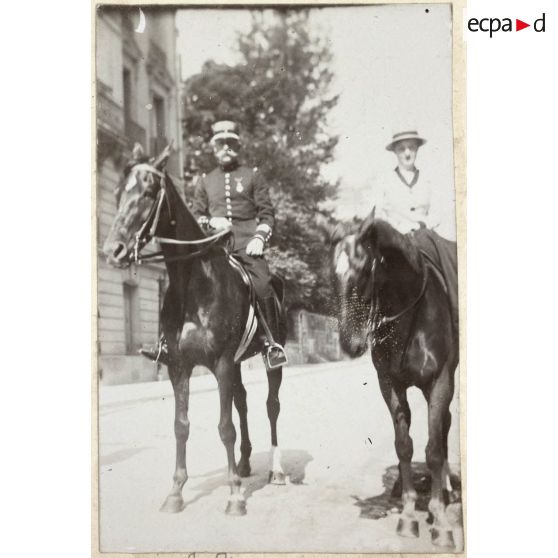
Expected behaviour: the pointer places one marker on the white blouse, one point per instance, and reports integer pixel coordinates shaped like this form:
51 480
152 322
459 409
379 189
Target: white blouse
404 205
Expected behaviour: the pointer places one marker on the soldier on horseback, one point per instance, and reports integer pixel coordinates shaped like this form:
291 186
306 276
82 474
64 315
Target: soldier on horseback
235 197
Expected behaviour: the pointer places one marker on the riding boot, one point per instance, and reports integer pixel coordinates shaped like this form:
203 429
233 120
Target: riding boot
159 353
274 354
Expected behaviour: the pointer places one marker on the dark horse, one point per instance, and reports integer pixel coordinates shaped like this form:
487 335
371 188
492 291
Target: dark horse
203 316
389 292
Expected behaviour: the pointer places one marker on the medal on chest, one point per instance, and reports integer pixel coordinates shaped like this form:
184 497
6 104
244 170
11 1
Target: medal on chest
239 186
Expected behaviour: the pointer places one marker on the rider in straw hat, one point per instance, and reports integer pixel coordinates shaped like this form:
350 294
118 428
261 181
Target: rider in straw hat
235 196
403 198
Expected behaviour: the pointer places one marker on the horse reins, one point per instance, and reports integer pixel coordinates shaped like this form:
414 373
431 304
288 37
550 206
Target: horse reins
158 257
378 323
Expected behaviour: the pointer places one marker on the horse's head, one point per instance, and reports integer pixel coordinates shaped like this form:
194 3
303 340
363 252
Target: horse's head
346 260
366 262
137 197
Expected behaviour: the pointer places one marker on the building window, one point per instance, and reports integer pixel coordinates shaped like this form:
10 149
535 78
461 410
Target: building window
158 125
134 132
159 112
131 318
127 94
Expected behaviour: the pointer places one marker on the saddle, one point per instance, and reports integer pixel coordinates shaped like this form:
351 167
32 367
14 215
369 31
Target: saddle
435 267
251 326
446 273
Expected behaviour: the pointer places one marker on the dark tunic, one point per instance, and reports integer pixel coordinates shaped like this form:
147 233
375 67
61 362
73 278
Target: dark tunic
241 196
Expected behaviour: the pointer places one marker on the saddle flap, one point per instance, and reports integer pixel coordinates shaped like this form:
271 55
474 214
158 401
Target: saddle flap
252 321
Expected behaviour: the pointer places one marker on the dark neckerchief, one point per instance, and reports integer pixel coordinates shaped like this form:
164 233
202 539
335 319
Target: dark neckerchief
402 178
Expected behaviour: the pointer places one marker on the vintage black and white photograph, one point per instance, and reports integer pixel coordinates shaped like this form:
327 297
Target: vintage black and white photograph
277 365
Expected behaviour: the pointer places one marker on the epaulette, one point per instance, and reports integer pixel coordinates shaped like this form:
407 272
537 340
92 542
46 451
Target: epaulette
255 169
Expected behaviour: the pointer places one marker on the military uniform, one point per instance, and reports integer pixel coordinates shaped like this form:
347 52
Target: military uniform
240 195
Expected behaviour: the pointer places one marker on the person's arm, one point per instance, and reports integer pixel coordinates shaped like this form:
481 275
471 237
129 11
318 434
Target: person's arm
265 216
200 205
264 207
434 216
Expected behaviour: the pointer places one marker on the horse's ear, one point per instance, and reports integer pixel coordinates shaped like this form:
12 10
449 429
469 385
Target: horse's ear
373 214
163 157
137 152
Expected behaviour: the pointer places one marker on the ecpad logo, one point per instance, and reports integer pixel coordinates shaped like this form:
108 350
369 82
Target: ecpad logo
494 24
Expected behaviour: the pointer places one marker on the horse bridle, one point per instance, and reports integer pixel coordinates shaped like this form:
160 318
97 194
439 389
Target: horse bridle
143 236
374 319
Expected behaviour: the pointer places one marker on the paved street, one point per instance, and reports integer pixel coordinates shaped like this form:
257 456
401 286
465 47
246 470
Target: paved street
337 441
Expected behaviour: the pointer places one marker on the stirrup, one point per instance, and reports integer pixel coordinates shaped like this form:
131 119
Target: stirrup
274 356
158 354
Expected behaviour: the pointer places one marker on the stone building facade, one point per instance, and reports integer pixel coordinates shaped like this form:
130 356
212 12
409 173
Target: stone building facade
137 100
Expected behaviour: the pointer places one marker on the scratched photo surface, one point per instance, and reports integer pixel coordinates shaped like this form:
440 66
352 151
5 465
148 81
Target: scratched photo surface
324 138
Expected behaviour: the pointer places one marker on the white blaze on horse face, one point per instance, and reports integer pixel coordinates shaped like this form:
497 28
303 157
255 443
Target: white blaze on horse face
342 264
140 174
131 181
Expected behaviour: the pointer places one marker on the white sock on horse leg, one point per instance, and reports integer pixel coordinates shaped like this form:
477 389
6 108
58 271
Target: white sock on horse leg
446 481
275 455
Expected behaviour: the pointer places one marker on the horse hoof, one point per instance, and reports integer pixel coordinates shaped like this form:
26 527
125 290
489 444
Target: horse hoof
276 477
407 527
173 504
236 507
442 538
244 469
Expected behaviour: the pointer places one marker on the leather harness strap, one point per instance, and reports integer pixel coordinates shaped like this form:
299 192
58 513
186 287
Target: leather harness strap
377 323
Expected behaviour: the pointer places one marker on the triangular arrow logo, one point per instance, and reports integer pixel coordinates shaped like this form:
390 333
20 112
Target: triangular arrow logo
519 25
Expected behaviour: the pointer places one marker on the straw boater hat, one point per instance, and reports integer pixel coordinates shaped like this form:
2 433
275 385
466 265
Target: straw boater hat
224 129
412 135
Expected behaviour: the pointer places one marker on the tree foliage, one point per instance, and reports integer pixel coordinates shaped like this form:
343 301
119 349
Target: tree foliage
279 93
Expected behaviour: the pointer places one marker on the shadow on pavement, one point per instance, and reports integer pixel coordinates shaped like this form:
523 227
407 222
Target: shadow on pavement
389 501
294 464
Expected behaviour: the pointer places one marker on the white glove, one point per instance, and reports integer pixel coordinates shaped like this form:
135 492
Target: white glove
220 223
255 247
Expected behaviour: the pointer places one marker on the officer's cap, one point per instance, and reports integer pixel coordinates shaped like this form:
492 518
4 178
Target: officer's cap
224 129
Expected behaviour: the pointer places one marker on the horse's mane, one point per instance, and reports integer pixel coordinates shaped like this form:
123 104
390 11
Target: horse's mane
174 188
183 206
384 238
